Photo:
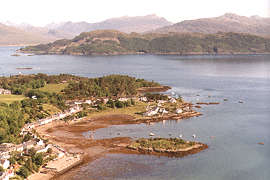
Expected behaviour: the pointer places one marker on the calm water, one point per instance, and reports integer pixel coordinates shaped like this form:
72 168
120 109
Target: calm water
234 152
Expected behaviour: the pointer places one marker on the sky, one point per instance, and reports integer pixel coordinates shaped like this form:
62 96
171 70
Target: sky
42 12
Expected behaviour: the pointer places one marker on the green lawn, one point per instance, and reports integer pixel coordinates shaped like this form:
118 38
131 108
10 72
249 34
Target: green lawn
132 111
6 98
51 109
54 88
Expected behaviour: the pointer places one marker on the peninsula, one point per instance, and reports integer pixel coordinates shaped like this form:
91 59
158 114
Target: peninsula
111 42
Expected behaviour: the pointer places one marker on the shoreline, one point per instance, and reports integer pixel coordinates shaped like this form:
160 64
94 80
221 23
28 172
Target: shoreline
140 53
69 136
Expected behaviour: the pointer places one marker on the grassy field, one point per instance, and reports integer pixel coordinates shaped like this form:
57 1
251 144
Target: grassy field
7 98
51 88
50 109
162 143
132 111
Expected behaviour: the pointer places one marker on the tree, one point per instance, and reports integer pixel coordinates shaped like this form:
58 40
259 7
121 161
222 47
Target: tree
38 159
24 172
119 104
132 102
32 152
27 137
29 165
49 151
1 169
111 104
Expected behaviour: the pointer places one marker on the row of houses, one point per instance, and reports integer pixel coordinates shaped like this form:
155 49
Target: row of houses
6 150
4 91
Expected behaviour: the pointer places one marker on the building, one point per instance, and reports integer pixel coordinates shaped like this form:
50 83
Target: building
88 102
172 100
42 148
34 97
152 112
45 121
40 142
4 163
123 99
4 91
19 147
6 148
143 99
29 144
179 111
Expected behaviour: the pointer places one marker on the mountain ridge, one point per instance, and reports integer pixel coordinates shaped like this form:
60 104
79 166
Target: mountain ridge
228 22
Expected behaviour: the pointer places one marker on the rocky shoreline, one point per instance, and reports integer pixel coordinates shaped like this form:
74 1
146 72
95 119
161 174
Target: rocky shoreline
69 136
171 153
142 53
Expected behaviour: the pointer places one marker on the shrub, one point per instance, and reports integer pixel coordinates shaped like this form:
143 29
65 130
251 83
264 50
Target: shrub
24 172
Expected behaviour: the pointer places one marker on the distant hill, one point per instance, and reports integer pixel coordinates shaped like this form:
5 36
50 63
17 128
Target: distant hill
44 31
109 42
226 23
15 36
125 24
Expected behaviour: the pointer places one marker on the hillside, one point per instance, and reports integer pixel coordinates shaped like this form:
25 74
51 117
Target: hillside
15 36
226 23
109 42
124 24
19 34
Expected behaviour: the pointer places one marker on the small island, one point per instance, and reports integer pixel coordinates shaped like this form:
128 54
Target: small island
175 147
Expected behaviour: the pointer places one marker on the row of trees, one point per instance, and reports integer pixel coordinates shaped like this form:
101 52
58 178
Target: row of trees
107 86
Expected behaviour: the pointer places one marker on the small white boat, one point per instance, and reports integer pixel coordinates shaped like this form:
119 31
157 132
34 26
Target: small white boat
151 134
181 135
194 136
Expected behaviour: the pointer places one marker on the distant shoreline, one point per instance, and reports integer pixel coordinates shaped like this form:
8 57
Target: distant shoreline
139 53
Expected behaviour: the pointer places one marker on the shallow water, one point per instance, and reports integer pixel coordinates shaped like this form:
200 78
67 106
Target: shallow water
236 129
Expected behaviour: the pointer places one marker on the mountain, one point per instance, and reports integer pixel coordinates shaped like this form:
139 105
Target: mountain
19 34
226 23
49 33
10 35
111 42
125 24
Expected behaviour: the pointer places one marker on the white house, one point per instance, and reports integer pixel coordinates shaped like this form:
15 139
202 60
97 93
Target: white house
29 144
88 102
163 111
179 111
40 142
45 121
43 148
34 97
105 100
123 99
143 99
61 116
61 154
161 101
19 148
186 109
152 112
172 100
4 91
4 163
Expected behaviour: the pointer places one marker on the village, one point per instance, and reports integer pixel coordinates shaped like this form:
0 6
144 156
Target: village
156 106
